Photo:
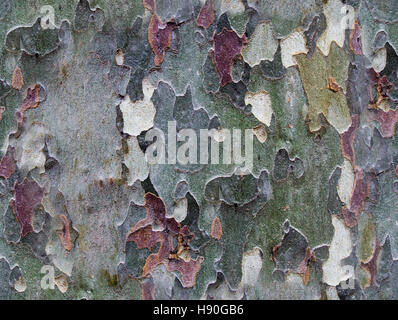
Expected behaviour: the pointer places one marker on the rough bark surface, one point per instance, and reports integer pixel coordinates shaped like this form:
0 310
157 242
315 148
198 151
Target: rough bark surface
85 214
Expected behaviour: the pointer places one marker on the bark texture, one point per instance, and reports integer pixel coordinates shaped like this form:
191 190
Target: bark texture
85 214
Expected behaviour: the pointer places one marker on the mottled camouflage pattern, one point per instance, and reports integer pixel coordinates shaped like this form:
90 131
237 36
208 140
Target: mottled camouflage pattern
315 218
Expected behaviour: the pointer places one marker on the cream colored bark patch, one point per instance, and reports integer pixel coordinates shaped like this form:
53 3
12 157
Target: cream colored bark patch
180 210
20 284
331 293
62 283
293 44
30 148
338 18
261 133
261 46
345 185
339 116
119 57
380 60
261 106
340 248
251 267
135 161
139 116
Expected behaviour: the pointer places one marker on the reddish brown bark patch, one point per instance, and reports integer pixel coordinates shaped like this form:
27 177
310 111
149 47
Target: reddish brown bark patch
145 237
383 86
157 228
188 270
31 101
155 216
7 164
227 45
17 79
355 39
216 229
360 192
387 121
27 197
333 85
304 267
371 266
274 251
64 234
359 195
347 140
159 36
206 15
350 219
